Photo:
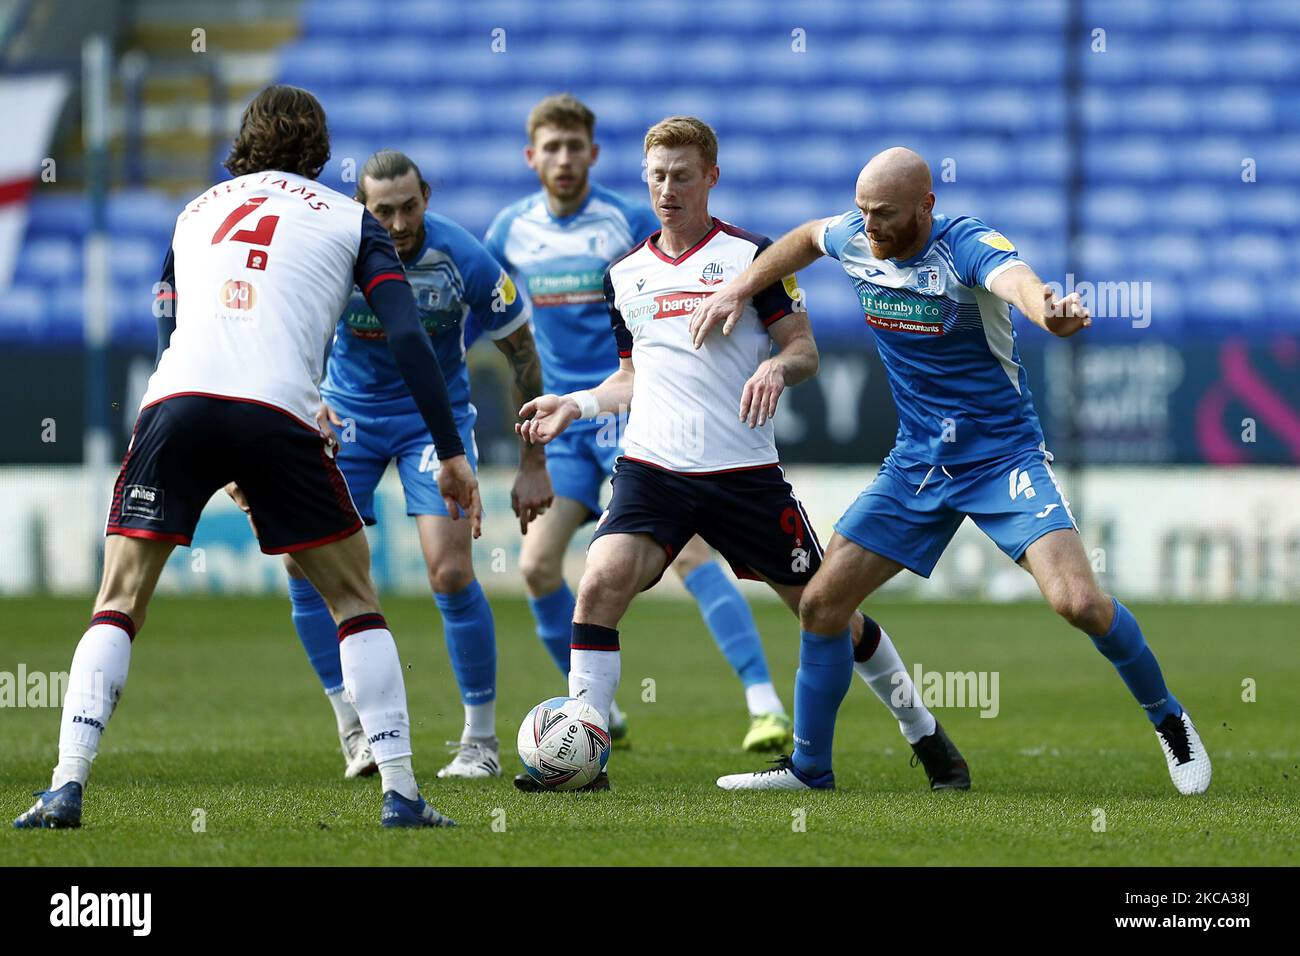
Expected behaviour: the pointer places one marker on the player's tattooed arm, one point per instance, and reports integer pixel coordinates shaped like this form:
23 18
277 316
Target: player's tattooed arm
795 361
520 350
1037 301
532 493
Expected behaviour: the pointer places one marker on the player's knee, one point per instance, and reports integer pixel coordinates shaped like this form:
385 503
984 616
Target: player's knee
542 574
603 588
1085 608
451 577
820 614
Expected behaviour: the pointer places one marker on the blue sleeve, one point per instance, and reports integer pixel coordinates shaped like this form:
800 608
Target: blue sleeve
164 306
978 251
839 231
376 258
494 240
498 307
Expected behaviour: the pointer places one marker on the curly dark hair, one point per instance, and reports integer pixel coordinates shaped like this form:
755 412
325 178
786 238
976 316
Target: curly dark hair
283 128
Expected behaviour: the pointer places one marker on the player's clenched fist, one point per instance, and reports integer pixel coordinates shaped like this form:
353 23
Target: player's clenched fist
761 393
1066 316
545 417
723 308
459 490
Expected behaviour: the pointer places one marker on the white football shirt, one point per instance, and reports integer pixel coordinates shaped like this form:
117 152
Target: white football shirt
685 413
259 270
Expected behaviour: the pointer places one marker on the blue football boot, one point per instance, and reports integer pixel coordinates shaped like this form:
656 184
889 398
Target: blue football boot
401 812
54 809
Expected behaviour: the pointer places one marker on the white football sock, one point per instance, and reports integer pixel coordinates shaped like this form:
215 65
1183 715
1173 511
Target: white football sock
762 699
888 679
95 683
480 720
396 774
615 715
593 676
372 675
345 715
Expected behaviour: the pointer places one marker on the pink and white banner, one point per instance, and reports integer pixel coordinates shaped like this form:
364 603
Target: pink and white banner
29 108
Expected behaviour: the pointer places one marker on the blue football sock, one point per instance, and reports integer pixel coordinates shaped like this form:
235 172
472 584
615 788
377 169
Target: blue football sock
825 672
727 614
318 633
554 616
1124 646
471 642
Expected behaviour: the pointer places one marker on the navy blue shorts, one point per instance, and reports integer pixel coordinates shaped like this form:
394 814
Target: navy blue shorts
186 448
750 516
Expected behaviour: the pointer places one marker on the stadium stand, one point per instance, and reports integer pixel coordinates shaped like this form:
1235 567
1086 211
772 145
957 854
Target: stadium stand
1184 97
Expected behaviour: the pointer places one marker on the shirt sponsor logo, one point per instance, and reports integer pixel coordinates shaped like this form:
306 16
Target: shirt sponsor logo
567 288
237 294
897 314
673 305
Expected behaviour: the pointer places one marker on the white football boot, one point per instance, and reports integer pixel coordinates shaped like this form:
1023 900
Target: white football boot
783 776
1189 764
476 758
356 751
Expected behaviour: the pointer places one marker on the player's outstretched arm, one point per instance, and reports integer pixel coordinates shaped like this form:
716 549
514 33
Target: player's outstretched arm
546 417
531 494
796 250
1022 288
795 361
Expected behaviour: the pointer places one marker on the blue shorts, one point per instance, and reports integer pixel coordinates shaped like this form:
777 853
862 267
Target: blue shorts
910 512
581 459
376 439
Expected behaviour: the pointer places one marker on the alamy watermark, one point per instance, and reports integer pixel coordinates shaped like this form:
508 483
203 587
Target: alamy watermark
961 689
24 688
1110 300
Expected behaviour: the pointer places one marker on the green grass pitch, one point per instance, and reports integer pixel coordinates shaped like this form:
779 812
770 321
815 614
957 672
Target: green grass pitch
222 713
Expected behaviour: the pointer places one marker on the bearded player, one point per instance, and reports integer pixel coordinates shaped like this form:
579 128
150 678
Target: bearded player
259 269
557 243
935 290
699 452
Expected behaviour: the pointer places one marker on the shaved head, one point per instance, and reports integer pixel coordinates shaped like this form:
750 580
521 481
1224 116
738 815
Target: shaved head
894 193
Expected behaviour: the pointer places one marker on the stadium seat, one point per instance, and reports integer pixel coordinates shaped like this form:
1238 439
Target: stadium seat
1189 136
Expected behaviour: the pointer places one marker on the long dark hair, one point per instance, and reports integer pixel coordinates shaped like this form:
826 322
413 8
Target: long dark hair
282 128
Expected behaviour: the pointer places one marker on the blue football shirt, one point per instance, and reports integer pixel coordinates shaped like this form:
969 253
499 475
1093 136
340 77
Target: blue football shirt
946 341
453 278
560 263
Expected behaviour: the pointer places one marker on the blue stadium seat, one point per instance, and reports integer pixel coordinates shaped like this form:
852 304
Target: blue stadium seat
1187 96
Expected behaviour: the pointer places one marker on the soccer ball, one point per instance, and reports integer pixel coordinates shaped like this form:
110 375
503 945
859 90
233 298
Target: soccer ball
563 743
